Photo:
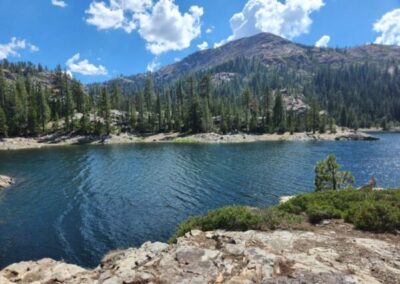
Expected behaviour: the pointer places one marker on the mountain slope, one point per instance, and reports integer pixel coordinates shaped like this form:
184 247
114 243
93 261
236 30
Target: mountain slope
271 51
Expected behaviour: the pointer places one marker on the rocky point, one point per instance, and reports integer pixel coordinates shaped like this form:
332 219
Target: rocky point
334 253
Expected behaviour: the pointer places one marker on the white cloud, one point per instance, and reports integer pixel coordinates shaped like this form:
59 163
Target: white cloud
165 28
105 17
221 43
389 27
203 45
154 65
288 19
162 25
135 6
59 3
323 41
209 30
11 48
84 67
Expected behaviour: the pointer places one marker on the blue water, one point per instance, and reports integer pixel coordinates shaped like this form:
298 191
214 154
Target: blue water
77 203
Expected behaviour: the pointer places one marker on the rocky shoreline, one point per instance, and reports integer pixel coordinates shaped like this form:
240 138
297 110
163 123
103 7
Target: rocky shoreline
331 253
205 138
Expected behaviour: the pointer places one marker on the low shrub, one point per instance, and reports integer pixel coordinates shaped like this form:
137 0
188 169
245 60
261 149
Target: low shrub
233 218
273 218
316 213
377 211
377 216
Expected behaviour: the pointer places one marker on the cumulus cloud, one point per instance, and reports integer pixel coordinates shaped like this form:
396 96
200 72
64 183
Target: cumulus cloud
11 48
161 25
209 30
165 28
105 17
203 45
59 3
323 41
288 19
84 67
389 27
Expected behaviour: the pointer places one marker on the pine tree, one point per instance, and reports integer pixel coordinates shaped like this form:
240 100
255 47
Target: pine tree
33 125
206 120
3 123
116 96
159 113
133 119
246 103
180 93
85 123
168 111
279 115
314 112
79 96
343 117
149 94
206 90
19 109
267 121
194 118
3 87
142 122
68 111
329 177
105 110
43 108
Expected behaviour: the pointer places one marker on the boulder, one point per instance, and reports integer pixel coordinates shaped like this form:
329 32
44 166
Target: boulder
5 181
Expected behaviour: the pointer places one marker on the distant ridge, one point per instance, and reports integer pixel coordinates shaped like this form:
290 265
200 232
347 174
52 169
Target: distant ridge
270 50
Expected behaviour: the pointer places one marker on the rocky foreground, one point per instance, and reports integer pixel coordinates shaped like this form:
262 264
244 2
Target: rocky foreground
334 253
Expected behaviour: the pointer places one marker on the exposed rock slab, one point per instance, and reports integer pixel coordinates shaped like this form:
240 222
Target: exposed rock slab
322 256
5 181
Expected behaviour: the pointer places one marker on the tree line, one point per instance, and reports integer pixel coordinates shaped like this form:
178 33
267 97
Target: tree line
37 101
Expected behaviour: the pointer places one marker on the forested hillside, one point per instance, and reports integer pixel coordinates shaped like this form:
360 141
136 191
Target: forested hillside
31 96
261 84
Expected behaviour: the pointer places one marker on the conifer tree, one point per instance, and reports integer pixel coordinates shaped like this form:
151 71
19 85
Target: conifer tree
3 123
43 107
105 110
246 103
279 114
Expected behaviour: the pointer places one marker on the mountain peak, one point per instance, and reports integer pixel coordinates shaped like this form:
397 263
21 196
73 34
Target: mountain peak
271 50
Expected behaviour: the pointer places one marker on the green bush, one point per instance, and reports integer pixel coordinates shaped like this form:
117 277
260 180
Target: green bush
377 216
233 218
273 218
318 212
366 209
377 211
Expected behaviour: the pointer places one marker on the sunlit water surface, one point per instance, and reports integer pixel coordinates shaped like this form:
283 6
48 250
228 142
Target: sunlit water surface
77 203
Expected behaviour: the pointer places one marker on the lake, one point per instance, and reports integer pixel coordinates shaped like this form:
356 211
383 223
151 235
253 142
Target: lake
77 203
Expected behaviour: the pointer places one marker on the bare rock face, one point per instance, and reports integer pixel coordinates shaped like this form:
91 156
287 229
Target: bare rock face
322 256
5 181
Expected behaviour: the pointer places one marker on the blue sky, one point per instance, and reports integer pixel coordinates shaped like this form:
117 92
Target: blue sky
97 40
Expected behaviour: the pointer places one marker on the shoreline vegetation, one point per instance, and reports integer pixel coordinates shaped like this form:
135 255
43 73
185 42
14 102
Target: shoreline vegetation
367 208
19 143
